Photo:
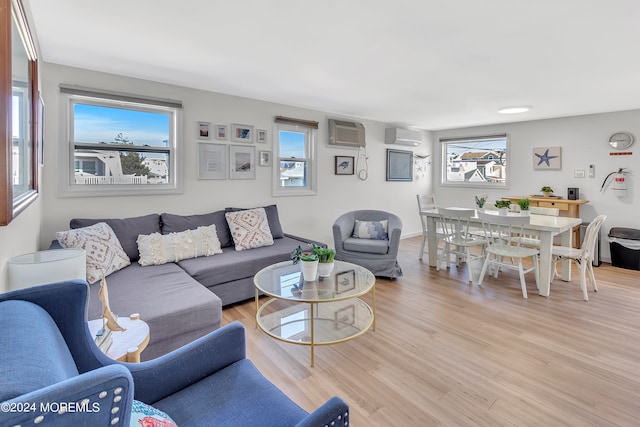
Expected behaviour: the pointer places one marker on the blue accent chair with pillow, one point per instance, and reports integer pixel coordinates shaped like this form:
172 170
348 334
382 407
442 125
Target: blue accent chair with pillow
369 238
53 374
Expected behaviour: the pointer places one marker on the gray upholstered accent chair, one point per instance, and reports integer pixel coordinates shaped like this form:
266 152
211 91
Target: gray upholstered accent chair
378 254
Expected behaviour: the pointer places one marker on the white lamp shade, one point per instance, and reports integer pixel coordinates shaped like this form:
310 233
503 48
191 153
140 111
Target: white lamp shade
42 267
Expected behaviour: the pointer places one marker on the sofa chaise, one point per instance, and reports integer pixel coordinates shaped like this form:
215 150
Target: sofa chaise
183 300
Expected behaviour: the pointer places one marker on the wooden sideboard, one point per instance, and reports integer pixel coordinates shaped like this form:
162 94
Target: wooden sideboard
570 207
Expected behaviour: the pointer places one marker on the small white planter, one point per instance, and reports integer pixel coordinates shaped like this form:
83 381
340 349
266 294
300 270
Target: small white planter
325 268
309 270
525 213
502 211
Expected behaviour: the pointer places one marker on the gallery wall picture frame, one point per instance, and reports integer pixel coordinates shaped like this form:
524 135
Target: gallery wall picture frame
262 136
344 165
212 161
242 162
264 158
399 165
241 133
547 158
203 130
221 132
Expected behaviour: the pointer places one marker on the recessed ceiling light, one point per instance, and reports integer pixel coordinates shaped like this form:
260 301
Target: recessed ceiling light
515 109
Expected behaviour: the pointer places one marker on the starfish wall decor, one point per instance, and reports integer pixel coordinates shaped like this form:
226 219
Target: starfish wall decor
547 158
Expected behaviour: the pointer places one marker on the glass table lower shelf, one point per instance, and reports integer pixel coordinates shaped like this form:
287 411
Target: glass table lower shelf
315 323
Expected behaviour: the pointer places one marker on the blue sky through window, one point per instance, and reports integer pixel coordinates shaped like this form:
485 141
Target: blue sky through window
94 123
291 144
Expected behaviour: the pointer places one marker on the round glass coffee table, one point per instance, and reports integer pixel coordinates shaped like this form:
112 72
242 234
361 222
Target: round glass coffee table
322 312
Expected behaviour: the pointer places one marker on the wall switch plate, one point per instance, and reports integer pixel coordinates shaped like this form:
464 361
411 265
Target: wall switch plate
578 173
592 171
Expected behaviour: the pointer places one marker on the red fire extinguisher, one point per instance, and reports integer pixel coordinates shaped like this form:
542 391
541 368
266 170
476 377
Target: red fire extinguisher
619 183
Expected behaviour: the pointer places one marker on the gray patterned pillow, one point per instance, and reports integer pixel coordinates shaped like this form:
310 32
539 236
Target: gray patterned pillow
375 230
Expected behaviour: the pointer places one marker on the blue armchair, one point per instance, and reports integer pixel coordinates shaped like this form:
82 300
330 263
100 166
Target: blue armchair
52 372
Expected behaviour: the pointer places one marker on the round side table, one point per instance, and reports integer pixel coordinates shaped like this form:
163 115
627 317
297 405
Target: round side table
127 345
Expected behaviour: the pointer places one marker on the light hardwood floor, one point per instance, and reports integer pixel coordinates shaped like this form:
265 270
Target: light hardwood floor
446 353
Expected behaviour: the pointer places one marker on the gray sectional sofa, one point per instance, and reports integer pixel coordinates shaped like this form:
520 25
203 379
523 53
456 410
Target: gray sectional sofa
183 301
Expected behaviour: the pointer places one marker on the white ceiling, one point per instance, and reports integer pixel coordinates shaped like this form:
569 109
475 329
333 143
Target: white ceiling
424 63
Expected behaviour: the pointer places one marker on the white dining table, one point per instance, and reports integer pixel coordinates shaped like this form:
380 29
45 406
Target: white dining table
546 227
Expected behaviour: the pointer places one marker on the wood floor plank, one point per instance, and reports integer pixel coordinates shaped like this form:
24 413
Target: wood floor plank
448 353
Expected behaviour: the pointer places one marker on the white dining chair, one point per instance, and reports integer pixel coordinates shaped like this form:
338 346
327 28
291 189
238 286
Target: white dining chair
583 257
530 239
457 239
505 252
425 203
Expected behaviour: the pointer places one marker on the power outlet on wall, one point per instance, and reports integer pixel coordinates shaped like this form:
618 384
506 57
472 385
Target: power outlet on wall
592 171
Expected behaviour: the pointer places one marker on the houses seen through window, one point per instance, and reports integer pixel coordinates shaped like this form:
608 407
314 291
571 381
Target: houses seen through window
475 161
123 147
294 146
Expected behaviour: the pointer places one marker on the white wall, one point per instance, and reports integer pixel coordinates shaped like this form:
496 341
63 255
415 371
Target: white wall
309 216
584 141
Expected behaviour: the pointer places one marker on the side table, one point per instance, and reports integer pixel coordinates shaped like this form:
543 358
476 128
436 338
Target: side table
127 345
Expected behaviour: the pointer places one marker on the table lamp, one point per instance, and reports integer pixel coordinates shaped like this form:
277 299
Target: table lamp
50 266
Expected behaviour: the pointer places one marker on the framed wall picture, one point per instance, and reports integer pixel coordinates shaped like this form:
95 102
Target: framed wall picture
264 158
399 165
203 130
241 133
242 162
344 165
212 161
261 136
547 158
221 131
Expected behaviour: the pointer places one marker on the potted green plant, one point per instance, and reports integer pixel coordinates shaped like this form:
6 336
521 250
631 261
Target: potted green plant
326 256
524 206
547 191
308 263
502 206
481 199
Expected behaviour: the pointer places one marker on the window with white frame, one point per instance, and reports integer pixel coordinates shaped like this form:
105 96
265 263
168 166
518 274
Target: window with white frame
476 161
294 172
119 144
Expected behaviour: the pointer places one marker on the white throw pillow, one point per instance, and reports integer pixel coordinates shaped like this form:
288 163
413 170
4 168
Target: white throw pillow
156 248
249 228
104 251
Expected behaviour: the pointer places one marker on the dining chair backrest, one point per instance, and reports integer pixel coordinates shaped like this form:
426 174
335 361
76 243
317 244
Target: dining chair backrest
536 210
426 202
499 229
455 222
590 237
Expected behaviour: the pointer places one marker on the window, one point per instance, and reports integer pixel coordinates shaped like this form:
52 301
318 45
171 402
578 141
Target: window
479 161
119 144
294 173
19 121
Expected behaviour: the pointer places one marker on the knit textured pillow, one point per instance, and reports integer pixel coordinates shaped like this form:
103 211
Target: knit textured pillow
156 248
104 251
249 228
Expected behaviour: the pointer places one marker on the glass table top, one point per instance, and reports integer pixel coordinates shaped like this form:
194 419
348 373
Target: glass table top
284 281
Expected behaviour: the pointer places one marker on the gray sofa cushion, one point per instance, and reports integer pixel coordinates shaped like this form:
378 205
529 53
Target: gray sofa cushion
372 246
234 265
176 223
172 303
126 229
272 217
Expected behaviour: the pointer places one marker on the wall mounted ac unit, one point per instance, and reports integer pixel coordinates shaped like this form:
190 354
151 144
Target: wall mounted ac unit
402 136
350 134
